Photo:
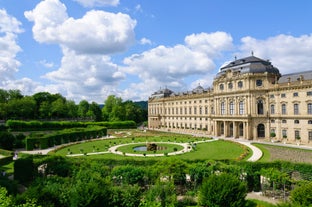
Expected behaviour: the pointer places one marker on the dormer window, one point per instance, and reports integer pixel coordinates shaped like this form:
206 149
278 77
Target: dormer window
258 82
240 84
230 85
221 86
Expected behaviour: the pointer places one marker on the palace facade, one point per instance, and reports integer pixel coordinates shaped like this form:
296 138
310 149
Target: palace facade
249 99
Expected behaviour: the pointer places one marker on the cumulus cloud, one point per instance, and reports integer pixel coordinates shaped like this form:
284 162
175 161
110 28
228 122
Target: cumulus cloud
97 32
145 41
170 66
288 53
86 74
86 68
9 29
211 44
97 3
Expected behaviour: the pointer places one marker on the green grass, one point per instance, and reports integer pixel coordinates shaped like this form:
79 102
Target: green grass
169 148
218 150
266 154
103 145
258 203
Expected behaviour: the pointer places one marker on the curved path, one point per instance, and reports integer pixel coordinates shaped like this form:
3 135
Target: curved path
256 152
184 150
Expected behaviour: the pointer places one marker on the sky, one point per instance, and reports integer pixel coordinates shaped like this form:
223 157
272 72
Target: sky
90 49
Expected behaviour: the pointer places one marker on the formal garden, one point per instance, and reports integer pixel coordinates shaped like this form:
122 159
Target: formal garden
138 167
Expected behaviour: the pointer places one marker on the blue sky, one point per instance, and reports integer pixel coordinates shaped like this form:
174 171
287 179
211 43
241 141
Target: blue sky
89 49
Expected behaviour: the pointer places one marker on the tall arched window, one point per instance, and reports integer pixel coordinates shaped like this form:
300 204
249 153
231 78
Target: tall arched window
261 130
260 107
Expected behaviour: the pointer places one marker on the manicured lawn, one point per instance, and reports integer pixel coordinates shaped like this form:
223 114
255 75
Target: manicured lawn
214 150
104 144
167 148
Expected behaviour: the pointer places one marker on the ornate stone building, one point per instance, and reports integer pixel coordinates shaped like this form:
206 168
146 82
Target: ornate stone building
249 99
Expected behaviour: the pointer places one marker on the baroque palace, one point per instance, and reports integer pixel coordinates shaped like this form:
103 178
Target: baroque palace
249 99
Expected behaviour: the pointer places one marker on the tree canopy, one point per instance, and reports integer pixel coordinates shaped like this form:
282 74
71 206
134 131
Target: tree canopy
46 106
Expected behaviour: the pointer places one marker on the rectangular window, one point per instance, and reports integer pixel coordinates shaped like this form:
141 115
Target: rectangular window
310 135
309 108
206 110
283 108
309 93
241 108
222 108
295 94
195 110
272 96
190 110
296 109
272 109
232 108
284 133
284 121
283 95
297 134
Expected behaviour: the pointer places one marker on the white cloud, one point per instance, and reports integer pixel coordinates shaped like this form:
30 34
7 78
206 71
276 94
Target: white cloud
170 66
86 70
145 41
86 75
97 3
97 32
9 28
211 44
288 53
46 64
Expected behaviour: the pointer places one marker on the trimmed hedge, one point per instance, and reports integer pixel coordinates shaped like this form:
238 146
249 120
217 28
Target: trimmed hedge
24 170
44 141
17 125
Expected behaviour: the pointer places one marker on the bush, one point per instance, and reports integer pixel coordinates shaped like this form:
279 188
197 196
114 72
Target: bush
223 190
24 169
6 140
302 195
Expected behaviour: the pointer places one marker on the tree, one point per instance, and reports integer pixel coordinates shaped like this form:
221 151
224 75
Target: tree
59 109
4 96
6 140
302 195
111 102
161 194
128 175
5 199
174 168
83 108
45 110
22 108
72 109
223 190
95 108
